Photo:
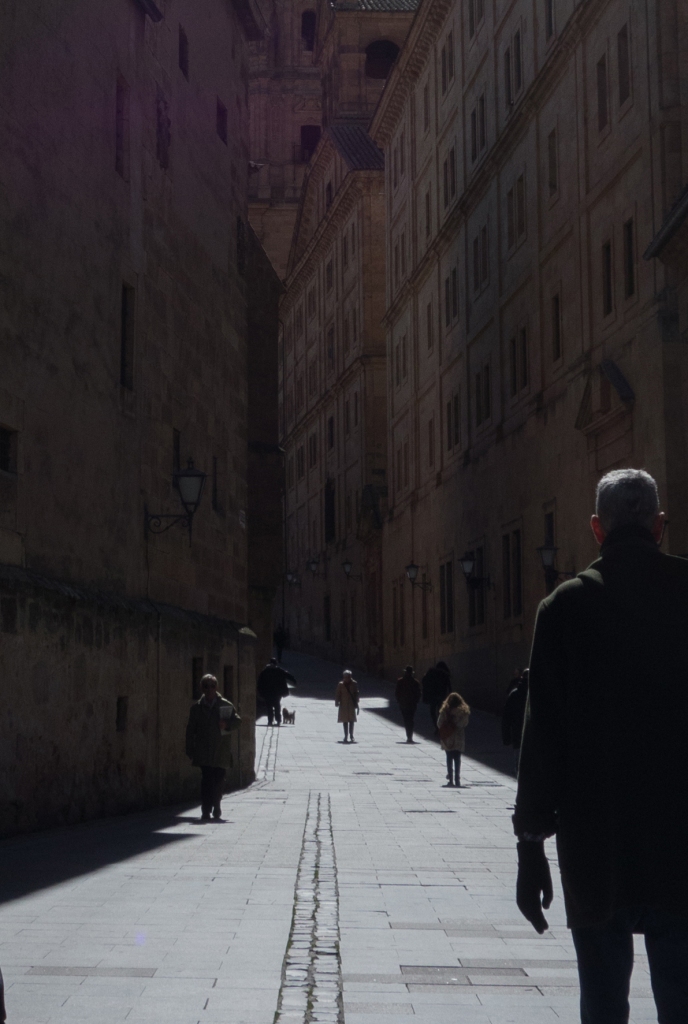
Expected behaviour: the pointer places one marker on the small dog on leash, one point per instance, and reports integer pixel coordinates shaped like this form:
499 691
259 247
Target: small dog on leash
288 717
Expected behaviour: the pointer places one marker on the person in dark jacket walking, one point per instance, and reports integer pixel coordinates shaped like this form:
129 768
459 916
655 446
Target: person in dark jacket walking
208 744
515 711
436 686
408 695
272 686
603 758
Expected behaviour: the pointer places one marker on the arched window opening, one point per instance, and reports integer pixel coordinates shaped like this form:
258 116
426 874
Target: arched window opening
308 29
310 137
380 57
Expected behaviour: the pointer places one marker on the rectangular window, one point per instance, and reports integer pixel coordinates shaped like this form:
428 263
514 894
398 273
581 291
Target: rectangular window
443 62
484 256
311 303
403 254
510 220
329 276
518 63
228 683
549 18
513 367
122 130
196 676
516 573
447 302
221 120
474 135
487 393
428 214
471 18
330 347
395 167
455 292
183 53
345 331
429 325
521 206
328 195
450 56
506 575
556 328
450 430
327 616
402 155
624 58
355 408
8 450
127 330
452 172
312 450
345 252
457 421
353 239
602 105
447 597
330 432
523 358
476 595
508 93
330 514
629 259
431 443
445 183
121 714
176 452
482 128
607 283
407 464
404 358
476 264
397 365
552 162
214 500
300 462
478 398
426 107
397 264
399 475
163 129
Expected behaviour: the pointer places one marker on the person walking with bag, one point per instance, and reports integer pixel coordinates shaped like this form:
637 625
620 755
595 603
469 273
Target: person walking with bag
408 694
208 743
346 699
451 723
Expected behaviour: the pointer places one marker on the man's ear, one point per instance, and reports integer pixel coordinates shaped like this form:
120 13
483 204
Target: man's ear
598 530
659 527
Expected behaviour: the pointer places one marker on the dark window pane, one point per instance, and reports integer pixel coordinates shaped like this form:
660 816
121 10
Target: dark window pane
624 65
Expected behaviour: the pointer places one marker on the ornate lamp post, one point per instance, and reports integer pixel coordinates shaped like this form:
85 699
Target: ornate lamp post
190 483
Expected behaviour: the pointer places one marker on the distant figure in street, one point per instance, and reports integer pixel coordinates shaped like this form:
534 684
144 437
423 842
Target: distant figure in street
346 699
514 711
279 638
272 686
408 694
451 724
603 758
436 684
208 744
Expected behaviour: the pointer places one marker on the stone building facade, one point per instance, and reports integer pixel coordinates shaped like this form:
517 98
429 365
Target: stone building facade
532 151
123 254
333 403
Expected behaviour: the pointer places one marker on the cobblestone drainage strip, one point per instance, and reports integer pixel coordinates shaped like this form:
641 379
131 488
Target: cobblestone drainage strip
311 991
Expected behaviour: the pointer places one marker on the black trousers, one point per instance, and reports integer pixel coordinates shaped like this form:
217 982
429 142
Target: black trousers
211 789
454 762
274 711
409 717
605 964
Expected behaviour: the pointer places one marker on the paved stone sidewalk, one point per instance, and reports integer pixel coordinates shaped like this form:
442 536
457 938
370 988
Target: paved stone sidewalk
346 884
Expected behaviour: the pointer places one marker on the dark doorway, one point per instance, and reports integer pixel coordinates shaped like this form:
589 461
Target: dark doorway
308 29
380 57
310 137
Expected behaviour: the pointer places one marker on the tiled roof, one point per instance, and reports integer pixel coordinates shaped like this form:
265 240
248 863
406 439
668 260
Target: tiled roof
356 147
375 5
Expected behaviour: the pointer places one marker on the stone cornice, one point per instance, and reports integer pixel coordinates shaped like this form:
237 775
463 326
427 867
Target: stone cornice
355 185
424 30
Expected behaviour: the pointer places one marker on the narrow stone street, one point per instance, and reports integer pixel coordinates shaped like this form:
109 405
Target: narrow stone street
345 884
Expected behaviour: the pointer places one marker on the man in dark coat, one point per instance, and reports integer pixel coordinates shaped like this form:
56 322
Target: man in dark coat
604 762
408 695
272 686
208 744
436 686
515 711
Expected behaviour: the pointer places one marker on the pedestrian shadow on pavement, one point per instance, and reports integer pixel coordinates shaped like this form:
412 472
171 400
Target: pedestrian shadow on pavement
37 861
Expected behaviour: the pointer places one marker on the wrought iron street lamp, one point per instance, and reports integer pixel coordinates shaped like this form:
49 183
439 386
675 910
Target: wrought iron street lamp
347 566
292 578
412 576
548 557
189 483
313 564
468 563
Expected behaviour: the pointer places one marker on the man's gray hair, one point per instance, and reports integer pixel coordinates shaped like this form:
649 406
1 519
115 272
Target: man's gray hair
627 497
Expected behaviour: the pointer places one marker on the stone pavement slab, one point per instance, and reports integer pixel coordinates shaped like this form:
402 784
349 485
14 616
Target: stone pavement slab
347 884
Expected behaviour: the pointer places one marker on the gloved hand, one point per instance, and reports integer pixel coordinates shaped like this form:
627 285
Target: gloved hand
533 884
